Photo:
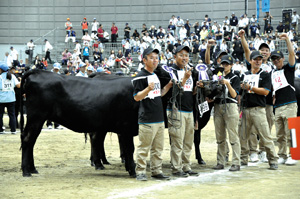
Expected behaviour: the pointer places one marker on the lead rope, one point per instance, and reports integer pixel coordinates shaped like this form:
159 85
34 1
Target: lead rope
243 115
176 90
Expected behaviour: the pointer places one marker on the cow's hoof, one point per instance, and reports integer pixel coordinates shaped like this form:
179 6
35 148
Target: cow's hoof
106 162
99 167
122 160
201 162
26 174
34 171
92 164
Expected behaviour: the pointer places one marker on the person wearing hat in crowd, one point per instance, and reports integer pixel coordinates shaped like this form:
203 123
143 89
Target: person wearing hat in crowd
71 35
233 22
180 118
179 24
56 68
187 26
256 86
127 31
226 115
295 20
68 26
8 82
48 48
280 28
82 71
89 70
269 29
95 25
268 19
85 26
30 46
284 99
147 91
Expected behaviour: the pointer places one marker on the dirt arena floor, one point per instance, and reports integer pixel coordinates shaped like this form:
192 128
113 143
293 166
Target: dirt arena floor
62 159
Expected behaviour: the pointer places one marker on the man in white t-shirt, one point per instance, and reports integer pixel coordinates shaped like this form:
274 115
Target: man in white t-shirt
14 55
295 18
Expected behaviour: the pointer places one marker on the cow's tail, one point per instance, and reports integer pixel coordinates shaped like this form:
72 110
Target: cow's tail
22 93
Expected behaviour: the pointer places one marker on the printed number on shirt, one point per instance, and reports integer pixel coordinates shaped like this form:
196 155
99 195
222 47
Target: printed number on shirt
7 85
252 81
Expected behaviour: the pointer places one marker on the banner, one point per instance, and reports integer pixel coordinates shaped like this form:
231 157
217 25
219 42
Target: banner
257 9
265 6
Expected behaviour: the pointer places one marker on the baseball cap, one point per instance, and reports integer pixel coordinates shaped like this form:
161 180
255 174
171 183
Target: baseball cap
68 19
3 66
255 54
46 40
56 66
277 53
84 18
126 23
178 17
149 50
94 18
11 47
227 58
90 68
180 48
263 45
222 52
81 65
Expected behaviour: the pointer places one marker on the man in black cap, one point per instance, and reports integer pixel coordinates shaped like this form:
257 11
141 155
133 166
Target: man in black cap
180 118
147 91
256 85
233 22
280 28
285 102
226 115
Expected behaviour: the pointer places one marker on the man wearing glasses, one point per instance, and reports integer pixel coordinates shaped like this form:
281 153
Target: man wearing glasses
284 98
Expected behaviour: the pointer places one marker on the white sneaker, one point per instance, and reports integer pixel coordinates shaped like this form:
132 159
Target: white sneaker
263 157
14 133
290 161
254 157
281 161
3 132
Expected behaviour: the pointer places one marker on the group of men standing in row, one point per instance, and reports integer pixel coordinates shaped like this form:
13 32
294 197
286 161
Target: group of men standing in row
263 79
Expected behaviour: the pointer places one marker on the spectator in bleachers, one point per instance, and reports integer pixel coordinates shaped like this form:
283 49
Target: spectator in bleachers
85 26
127 31
100 32
233 22
214 27
97 55
226 35
144 30
257 41
171 28
30 46
204 24
186 42
136 34
65 57
268 19
224 46
187 26
114 33
226 20
269 29
143 45
86 52
238 52
202 50
163 59
246 23
152 31
290 34
251 47
78 48
193 37
271 44
280 28
82 70
295 19
197 28
86 39
68 25
253 29
95 25
178 43
195 51
48 48
171 38
178 25
136 45
203 33
211 32
8 59
127 47
253 19
182 33
71 35
44 61
118 59
219 35
298 56
77 61
89 70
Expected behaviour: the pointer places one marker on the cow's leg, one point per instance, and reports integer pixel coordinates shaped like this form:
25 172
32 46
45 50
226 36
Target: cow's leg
197 141
28 139
102 151
95 151
128 146
122 156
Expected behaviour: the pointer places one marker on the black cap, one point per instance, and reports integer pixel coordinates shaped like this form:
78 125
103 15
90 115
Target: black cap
222 52
277 53
180 48
45 40
227 58
255 54
149 50
264 44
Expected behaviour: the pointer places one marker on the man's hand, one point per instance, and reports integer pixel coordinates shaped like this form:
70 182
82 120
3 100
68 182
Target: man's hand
245 86
187 73
211 42
283 36
150 86
224 81
241 33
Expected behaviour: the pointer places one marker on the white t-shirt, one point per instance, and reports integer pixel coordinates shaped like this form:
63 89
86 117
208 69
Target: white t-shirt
14 54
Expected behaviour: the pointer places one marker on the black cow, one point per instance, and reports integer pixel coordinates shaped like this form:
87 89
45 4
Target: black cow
96 105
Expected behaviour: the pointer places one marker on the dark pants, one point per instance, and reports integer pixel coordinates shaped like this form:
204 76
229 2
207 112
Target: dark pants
127 52
11 114
48 56
85 58
113 38
30 55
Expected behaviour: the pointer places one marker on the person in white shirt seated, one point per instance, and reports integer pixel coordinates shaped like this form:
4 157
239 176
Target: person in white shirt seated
82 71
